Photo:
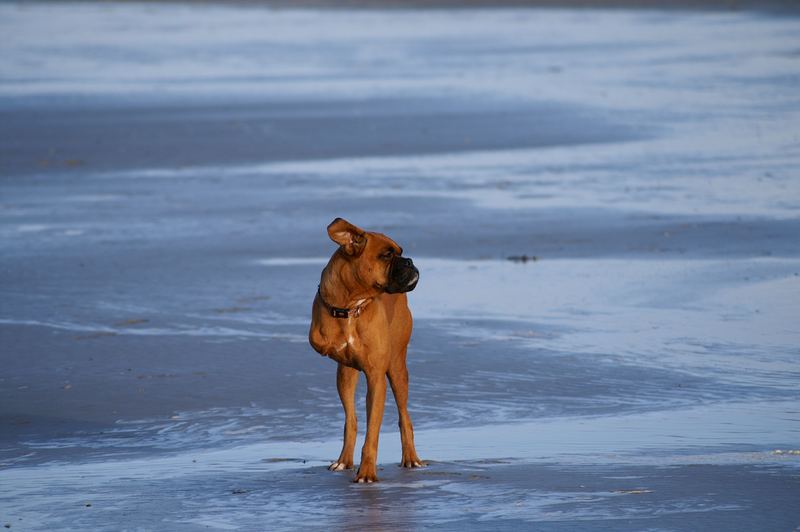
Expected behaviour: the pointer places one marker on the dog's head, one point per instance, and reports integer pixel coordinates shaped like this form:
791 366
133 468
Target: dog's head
372 260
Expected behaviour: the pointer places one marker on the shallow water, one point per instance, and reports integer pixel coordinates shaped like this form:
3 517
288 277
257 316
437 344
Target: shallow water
166 182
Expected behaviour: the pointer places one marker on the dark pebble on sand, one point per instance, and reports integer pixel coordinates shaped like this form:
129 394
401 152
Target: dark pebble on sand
523 258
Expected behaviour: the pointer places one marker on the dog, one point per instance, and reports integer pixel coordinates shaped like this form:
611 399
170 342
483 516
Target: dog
360 318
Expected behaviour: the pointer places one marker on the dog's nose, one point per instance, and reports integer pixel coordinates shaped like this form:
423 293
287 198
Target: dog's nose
406 261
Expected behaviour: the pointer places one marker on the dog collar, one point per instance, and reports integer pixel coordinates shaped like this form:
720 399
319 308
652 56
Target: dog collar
339 312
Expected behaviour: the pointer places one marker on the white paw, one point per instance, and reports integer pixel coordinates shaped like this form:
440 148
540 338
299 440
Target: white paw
337 466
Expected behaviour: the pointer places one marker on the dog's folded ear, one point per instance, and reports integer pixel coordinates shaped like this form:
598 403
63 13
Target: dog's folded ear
351 238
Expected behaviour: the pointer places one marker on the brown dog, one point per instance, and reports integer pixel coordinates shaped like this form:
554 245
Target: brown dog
360 319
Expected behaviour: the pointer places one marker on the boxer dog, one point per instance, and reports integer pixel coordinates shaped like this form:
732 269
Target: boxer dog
360 319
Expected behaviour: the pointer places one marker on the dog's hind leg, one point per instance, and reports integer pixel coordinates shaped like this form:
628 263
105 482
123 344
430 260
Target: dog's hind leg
346 382
398 378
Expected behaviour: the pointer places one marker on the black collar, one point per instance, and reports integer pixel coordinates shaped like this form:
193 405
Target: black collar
338 312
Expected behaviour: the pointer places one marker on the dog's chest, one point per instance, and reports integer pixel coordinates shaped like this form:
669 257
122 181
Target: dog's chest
346 345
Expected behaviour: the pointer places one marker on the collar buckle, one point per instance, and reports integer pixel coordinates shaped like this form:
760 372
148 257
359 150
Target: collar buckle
340 312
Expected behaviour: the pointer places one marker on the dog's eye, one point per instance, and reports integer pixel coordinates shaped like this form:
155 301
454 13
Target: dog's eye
387 255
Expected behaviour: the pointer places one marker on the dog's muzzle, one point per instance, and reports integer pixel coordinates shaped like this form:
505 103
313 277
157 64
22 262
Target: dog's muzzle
403 276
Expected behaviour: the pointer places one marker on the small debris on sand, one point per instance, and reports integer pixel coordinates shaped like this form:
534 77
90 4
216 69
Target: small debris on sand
522 258
278 460
130 322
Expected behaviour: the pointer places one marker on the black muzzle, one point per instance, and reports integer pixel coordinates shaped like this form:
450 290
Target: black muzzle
403 276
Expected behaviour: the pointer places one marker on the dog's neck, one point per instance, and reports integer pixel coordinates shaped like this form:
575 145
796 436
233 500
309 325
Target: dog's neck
352 311
335 295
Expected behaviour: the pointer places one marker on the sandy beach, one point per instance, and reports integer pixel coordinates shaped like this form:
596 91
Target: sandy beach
603 204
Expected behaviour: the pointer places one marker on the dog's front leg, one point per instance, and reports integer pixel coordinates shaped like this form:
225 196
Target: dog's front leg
376 398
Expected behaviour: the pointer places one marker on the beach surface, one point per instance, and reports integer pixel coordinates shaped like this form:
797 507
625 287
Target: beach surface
604 205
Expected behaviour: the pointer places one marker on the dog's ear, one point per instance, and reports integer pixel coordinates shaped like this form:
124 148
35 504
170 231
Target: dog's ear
351 238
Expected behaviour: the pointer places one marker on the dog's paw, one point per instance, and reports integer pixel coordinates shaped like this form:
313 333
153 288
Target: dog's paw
340 466
366 475
412 462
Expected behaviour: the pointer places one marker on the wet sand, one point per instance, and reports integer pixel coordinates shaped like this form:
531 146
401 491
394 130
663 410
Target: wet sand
166 175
